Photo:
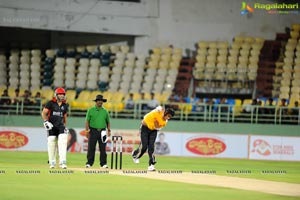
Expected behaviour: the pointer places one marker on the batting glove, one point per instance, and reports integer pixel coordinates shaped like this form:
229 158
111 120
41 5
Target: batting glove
66 131
159 108
48 125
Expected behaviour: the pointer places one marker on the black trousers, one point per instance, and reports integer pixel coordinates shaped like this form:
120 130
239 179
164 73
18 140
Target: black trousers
56 130
95 136
148 138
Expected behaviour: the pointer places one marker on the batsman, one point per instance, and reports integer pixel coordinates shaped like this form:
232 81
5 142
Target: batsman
54 115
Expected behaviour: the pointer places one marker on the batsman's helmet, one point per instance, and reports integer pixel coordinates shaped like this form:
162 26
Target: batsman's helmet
59 91
169 111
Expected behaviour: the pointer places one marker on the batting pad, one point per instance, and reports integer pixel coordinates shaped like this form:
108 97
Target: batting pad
52 149
62 148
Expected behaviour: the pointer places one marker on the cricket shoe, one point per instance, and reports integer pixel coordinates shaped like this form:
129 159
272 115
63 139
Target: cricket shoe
104 166
151 168
135 159
87 166
52 165
63 166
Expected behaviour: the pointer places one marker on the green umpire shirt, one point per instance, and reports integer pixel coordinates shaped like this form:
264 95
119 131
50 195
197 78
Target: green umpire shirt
97 117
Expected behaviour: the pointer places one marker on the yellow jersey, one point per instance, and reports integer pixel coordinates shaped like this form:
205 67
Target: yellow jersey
155 115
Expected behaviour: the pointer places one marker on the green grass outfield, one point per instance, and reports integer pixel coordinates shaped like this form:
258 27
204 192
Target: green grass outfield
25 175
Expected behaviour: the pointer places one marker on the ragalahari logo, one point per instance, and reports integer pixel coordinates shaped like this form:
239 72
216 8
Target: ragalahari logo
206 146
12 139
245 9
261 147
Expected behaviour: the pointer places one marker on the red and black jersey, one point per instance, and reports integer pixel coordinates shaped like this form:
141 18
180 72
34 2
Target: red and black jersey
56 113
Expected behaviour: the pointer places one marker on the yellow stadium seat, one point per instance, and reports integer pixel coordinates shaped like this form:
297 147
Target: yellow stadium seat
11 91
84 95
247 102
70 95
237 108
108 106
95 93
294 34
167 50
222 45
164 97
83 101
47 94
108 95
156 51
136 96
147 95
259 40
239 39
81 105
212 45
296 27
118 106
188 108
249 40
118 97
203 44
1 90
158 97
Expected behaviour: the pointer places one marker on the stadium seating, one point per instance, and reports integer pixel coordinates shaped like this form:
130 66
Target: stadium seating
83 101
115 69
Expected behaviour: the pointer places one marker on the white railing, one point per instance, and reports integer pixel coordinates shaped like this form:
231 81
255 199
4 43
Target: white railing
219 113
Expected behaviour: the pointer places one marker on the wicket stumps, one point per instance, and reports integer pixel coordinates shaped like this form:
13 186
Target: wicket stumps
116 148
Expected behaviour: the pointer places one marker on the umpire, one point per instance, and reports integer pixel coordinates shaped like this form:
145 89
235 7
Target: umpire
96 123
